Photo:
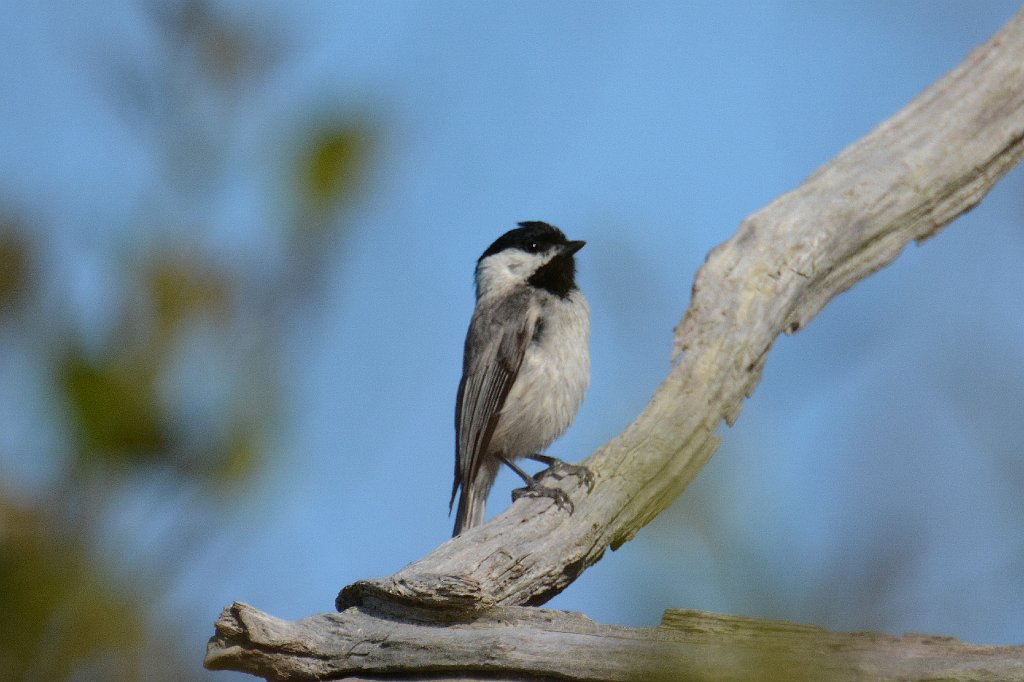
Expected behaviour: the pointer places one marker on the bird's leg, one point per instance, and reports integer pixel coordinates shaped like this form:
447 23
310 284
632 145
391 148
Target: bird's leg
535 489
560 469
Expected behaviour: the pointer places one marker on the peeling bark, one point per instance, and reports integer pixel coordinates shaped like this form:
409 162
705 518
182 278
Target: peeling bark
456 610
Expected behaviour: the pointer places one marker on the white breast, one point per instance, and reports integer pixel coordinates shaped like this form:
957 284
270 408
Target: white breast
552 379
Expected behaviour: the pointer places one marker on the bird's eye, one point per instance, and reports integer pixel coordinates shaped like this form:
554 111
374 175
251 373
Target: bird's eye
533 247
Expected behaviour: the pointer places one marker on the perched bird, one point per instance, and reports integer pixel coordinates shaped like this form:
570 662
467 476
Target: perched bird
526 364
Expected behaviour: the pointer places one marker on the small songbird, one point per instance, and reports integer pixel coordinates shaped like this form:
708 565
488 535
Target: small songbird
526 364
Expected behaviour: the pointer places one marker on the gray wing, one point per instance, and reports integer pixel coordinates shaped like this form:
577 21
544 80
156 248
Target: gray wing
495 346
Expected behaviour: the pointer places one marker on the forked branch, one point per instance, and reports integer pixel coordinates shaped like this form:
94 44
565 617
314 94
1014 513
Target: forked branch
906 179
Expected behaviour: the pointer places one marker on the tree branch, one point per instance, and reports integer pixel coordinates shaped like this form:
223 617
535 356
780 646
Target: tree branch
909 177
514 642
902 182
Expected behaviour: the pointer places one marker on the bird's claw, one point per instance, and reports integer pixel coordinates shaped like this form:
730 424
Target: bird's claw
559 497
558 469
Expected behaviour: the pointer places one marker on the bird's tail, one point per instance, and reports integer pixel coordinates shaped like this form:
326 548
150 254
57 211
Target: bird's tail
471 508
473 498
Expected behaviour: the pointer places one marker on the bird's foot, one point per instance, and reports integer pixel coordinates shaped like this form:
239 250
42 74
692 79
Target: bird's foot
535 489
558 469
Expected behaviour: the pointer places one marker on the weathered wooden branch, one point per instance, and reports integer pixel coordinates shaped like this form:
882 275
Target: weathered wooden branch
516 642
906 179
913 174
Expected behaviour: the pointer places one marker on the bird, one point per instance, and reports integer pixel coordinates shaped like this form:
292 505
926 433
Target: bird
526 365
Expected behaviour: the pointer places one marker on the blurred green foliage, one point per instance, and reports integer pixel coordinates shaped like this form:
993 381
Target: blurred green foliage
113 401
61 610
332 163
14 264
182 288
82 612
112 406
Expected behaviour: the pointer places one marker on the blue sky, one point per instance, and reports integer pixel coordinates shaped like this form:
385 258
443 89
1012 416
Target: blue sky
871 482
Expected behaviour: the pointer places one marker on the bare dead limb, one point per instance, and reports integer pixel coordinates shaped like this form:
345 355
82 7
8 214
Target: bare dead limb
905 180
909 177
514 642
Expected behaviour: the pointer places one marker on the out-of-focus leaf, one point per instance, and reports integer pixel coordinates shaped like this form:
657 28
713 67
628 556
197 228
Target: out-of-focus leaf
60 613
239 457
332 163
181 288
113 406
14 268
229 53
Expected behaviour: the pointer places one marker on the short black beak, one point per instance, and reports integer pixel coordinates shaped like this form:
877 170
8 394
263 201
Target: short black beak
573 247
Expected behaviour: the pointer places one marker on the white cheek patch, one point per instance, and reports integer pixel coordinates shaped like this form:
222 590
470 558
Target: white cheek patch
507 269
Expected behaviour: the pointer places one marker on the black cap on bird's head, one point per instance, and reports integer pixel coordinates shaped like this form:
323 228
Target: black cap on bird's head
532 236
555 271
